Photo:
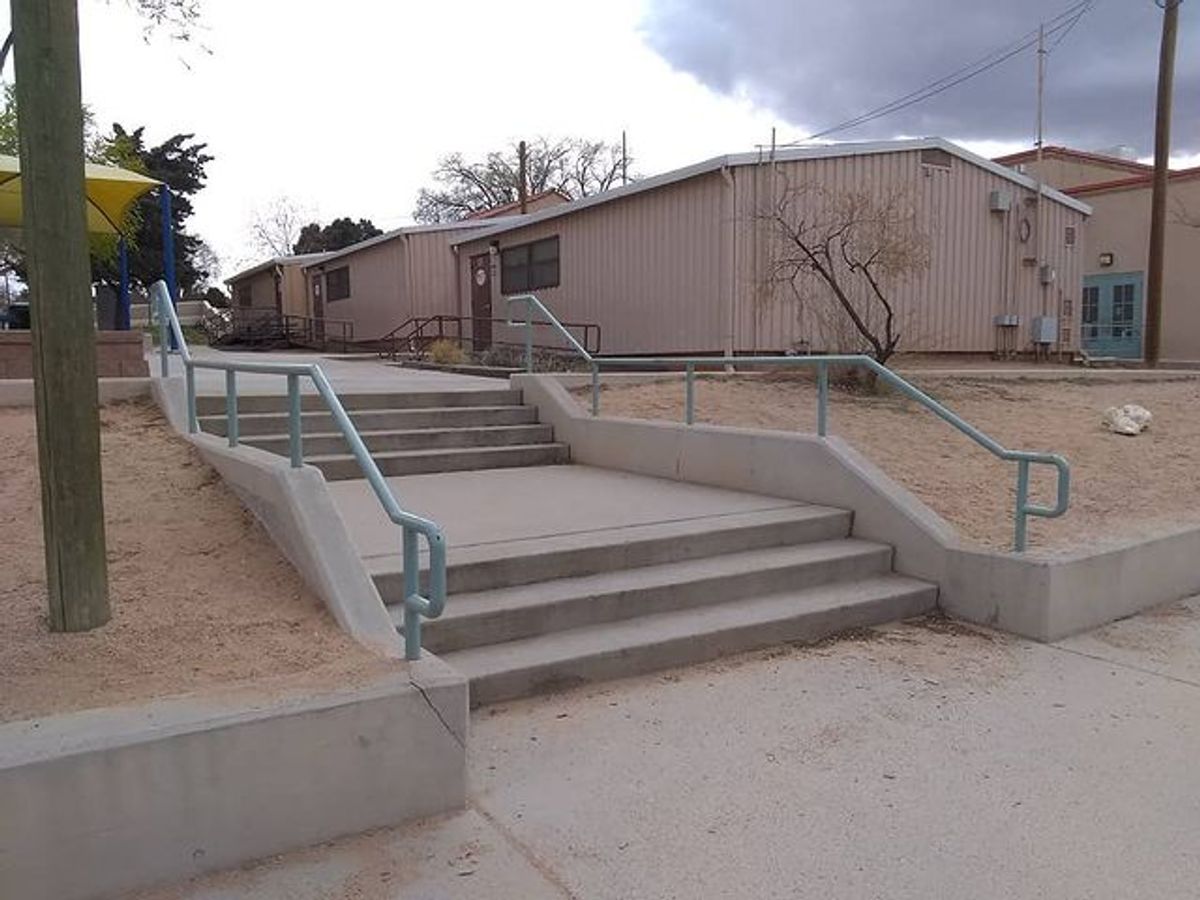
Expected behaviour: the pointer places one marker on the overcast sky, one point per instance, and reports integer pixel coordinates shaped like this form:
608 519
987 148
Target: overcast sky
346 106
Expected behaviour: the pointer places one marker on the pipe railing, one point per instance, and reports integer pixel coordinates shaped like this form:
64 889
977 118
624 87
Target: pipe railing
1023 458
412 526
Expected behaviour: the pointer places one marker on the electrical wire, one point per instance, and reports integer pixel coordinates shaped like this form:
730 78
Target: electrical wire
1064 20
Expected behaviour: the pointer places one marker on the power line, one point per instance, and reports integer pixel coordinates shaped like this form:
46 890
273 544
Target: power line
1075 21
1064 20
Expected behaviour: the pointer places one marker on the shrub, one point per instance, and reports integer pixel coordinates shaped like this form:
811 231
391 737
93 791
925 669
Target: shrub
446 353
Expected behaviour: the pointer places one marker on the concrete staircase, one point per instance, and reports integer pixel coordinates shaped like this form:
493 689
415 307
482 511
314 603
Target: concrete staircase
407 433
528 616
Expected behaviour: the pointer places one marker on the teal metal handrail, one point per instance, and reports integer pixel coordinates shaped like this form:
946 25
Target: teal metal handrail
1023 458
413 526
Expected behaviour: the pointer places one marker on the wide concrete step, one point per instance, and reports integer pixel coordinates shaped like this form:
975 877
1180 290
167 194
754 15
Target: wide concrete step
588 552
512 613
264 403
683 637
263 424
423 462
415 439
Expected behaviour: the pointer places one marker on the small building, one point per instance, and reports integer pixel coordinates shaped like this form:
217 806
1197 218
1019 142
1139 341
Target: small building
1116 243
381 283
277 283
685 262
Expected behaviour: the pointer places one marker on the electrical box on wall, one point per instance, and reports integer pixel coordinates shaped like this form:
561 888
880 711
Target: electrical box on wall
999 201
1045 330
1046 274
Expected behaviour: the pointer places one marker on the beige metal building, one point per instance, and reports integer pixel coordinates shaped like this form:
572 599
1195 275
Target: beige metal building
1116 248
380 283
278 284
688 261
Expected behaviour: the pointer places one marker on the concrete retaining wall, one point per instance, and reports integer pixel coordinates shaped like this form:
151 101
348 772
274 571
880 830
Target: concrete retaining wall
1045 598
102 802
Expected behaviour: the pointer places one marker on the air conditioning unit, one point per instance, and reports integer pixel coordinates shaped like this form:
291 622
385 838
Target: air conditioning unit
1045 330
999 201
1007 320
1046 274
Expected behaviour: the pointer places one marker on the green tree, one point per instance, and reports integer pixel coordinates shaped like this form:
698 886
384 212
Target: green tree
180 162
574 166
337 234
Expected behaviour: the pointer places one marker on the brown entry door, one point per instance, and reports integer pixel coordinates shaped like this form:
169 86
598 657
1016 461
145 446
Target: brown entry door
318 307
481 301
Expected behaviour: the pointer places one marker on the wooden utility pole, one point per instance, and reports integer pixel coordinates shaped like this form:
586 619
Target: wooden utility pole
522 177
50 121
1158 199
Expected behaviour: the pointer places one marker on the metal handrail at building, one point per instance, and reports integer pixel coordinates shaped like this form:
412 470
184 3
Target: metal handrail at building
432 603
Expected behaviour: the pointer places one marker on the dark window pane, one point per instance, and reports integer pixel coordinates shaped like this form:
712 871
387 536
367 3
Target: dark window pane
529 267
337 284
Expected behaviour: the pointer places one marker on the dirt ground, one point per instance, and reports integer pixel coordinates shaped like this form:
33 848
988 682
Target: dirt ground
1122 487
201 598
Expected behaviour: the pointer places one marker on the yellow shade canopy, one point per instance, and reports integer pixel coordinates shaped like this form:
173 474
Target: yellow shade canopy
110 194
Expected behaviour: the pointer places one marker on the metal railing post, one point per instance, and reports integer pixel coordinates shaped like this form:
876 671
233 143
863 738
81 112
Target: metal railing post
689 395
528 338
412 616
595 389
189 374
231 410
295 435
822 398
1019 537
163 339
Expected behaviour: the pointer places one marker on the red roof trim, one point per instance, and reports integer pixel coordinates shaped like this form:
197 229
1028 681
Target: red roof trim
1070 153
1120 184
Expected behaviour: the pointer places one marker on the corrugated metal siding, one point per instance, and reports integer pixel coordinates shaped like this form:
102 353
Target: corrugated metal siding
646 268
431 287
948 308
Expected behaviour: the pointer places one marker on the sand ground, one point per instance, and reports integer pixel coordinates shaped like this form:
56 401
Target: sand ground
201 597
1122 487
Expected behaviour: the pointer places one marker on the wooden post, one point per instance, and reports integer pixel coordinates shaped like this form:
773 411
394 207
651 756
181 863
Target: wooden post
50 121
1158 198
522 178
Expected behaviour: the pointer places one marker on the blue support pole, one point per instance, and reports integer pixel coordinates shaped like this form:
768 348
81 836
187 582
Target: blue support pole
123 311
168 242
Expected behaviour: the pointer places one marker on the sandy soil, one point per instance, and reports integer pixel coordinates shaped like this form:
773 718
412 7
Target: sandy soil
1122 487
200 595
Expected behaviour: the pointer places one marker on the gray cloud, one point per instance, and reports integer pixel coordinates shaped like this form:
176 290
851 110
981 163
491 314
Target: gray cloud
819 62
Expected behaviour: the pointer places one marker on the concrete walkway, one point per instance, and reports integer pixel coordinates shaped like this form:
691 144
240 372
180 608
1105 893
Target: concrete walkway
510 509
919 761
366 375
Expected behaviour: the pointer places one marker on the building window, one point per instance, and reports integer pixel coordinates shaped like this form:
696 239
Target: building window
529 267
337 284
1091 313
243 295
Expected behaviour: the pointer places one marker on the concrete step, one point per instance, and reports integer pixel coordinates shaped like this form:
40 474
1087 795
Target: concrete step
264 424
209 405
512 613
416 439
423 462
546 557
683 637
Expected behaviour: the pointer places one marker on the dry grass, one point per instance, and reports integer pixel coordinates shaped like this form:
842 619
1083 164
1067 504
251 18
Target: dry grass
201 597
1122 487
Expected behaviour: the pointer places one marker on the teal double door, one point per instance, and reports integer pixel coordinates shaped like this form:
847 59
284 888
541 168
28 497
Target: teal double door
1111 317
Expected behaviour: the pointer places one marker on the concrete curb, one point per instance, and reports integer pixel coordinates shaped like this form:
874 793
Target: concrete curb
1042 597
106 801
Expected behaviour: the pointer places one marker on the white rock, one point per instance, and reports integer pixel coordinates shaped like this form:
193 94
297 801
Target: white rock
1129 419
